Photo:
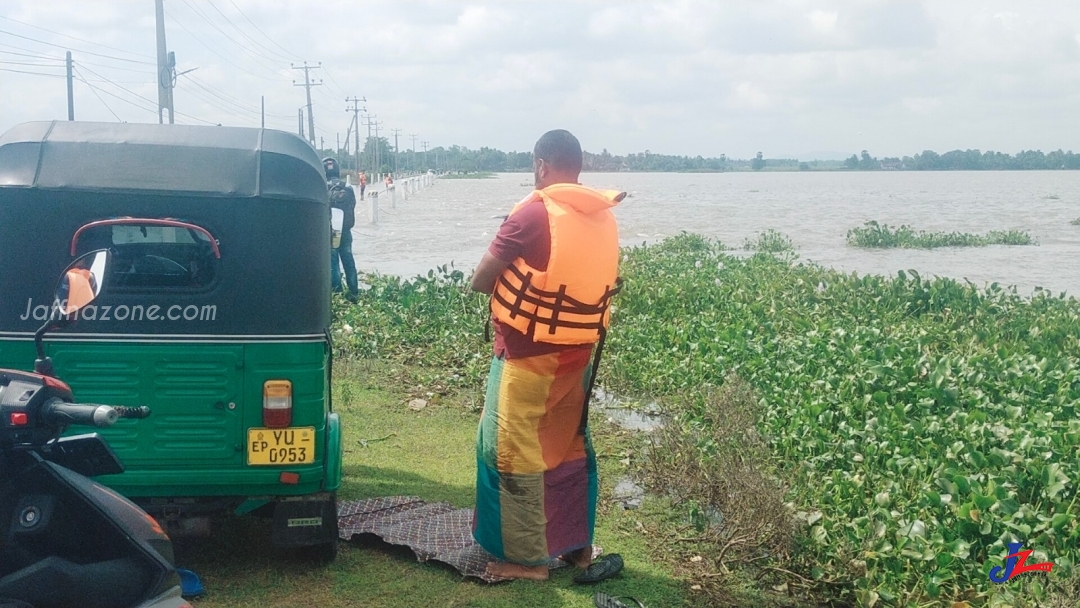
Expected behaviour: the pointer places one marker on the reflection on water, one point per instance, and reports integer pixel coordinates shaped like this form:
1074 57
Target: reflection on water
452 220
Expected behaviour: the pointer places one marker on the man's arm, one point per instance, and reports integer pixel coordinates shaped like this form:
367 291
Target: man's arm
487 272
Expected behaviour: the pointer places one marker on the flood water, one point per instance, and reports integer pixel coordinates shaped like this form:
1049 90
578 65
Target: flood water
451 221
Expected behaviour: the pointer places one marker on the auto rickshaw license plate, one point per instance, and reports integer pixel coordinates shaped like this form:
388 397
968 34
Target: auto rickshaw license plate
295 445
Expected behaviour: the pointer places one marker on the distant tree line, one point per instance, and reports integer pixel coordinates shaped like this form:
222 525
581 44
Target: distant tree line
464 160
967 160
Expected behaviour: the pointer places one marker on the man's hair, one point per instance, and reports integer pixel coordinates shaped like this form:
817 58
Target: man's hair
331 167
561 150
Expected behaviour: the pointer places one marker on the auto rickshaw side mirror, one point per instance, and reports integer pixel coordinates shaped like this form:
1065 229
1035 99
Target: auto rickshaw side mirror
81 282
79 285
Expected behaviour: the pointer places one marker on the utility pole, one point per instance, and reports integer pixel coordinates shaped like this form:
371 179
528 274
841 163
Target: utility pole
378 161
356 109
301 118
165 70
307 86
367 121
262 110
71 89
425 144
349 134
412 155
396 132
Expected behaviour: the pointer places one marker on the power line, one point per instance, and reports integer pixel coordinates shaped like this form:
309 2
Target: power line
211 102
93 90
210 48
340 90
127 101
245 34
43 65
231 39
34 73
81 51
230 99
287 51
105 46
35 56
115 67
130 92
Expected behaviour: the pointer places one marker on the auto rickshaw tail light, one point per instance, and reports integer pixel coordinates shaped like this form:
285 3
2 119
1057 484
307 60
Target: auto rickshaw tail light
277 403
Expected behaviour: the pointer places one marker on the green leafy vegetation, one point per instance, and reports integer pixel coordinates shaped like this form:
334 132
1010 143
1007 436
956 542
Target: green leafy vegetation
881 236
1075 222
769 241
917 425
469 175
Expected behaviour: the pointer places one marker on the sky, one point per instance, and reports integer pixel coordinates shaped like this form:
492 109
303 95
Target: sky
789 78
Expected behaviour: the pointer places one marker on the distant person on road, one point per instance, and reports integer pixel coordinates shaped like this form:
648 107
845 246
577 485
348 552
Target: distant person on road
363 183
389 181
551 271
342 197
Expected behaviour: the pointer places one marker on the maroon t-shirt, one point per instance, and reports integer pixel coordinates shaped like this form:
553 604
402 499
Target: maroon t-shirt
527 235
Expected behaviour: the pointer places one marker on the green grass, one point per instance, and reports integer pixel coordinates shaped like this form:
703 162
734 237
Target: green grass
881 236
391 450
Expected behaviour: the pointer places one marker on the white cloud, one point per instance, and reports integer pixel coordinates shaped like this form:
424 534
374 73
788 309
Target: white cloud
680 76
921 105
824 21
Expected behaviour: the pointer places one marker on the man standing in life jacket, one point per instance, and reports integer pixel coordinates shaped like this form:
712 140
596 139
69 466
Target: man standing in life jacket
551 271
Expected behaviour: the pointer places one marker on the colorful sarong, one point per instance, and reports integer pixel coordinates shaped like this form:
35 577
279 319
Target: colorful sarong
536 481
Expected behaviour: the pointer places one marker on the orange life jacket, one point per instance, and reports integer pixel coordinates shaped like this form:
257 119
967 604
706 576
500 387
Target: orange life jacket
568 302
81 290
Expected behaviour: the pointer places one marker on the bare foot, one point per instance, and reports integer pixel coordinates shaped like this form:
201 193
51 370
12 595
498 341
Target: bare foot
517 571
582 558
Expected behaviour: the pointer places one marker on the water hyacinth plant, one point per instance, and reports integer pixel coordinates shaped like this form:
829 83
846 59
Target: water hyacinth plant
925 423
881 236
769 241
920 425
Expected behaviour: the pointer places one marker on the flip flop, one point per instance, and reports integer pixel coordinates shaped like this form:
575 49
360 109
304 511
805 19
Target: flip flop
603 568
603 600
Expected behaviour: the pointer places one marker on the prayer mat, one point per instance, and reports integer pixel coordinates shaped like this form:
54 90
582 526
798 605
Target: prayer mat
433 531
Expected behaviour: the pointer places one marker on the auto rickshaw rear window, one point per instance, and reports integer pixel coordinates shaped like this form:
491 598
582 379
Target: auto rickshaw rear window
153 256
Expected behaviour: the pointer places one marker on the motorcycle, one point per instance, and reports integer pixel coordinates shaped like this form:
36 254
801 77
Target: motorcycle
64 539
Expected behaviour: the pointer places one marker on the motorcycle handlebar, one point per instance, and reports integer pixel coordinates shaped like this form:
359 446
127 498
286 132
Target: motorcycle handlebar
137 412
90 414
83 414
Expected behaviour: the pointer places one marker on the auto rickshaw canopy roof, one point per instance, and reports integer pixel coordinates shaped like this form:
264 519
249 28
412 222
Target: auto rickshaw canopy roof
229 162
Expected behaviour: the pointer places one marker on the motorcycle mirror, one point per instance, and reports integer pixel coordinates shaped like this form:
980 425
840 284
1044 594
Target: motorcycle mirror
81 282
79 285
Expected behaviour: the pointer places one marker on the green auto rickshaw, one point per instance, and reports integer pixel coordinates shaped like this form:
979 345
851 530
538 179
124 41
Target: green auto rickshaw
216 316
